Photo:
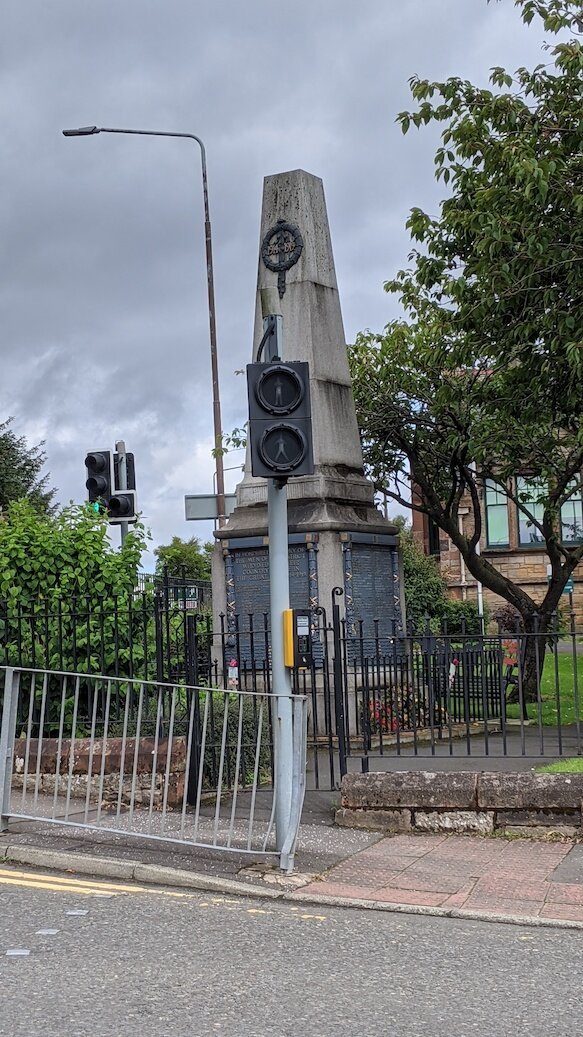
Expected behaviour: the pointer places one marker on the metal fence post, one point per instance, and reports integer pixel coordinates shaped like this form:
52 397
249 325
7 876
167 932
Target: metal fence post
300 734
122 482
159 633
7 735
338 683
192 777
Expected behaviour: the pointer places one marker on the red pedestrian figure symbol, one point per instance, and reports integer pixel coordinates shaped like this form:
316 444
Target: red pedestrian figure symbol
278 392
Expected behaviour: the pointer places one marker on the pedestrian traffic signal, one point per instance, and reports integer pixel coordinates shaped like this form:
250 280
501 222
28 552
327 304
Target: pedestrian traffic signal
100 479
122 507
280 421
103 491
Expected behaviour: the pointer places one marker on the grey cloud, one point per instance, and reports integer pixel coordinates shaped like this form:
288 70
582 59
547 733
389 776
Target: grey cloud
102 267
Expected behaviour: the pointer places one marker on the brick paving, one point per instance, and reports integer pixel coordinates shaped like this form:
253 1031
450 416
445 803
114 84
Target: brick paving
488 876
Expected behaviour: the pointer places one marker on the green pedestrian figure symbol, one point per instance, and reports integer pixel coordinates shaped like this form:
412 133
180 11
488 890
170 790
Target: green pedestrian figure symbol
281 453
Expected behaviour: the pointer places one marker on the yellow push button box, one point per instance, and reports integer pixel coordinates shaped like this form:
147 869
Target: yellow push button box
297 640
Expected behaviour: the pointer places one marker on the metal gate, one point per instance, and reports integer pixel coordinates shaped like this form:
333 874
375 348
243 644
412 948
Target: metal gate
182 764
379 695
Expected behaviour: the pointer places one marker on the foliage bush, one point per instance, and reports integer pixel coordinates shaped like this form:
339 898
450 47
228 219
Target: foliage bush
427 593
64 555
67 598
462 617
508 620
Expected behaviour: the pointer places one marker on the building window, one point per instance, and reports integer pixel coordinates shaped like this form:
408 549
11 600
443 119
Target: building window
572 519
528 492
496 516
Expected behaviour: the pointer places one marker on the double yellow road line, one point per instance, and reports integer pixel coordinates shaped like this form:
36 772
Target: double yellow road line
87 887
91 888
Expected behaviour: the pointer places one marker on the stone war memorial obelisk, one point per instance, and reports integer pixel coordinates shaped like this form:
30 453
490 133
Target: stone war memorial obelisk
337 536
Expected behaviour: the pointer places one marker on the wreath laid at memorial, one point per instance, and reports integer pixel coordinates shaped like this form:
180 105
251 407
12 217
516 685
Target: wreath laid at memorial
400 709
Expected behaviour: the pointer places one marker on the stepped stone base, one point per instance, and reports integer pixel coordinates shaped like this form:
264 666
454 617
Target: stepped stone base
310 515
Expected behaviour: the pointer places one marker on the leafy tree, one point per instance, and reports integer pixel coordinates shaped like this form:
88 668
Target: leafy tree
20 468
482 380
187 559
66 596
426 590
64 555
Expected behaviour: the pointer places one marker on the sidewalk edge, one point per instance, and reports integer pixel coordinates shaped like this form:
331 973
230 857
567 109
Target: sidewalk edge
111 867
159 875
436 912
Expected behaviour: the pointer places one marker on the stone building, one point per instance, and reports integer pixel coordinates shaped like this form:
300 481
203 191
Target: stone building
511 543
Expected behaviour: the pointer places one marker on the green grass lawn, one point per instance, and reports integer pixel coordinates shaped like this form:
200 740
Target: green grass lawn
570 766
557 692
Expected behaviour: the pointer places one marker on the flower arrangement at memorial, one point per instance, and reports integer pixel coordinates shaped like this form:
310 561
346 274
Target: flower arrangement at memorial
400 709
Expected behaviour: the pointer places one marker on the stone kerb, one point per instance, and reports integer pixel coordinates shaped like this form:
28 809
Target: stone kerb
529 791
410 789
463 801
106 755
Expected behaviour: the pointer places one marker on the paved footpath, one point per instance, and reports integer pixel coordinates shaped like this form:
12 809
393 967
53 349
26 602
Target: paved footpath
489 876
521 880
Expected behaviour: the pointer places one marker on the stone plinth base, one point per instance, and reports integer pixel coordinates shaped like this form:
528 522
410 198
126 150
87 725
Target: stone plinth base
544 805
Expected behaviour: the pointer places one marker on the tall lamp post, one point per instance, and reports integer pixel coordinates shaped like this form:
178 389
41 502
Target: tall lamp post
86 131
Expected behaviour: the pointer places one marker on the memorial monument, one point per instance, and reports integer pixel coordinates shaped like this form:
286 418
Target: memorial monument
337 536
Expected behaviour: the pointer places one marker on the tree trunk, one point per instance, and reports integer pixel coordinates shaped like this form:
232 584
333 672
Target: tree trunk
534 642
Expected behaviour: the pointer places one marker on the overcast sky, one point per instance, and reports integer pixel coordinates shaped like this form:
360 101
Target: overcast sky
102 283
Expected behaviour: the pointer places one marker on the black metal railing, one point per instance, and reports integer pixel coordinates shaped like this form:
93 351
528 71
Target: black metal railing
180 589
143 635
373 692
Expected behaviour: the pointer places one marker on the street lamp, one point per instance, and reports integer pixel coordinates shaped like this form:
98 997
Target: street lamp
87 131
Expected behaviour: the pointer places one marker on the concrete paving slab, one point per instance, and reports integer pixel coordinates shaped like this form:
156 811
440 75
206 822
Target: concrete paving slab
571 867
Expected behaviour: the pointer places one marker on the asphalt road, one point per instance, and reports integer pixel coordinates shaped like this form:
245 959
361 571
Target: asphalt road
153 964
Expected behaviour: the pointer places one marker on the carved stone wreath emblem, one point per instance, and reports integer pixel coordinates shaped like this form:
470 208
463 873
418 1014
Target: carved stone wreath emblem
280 249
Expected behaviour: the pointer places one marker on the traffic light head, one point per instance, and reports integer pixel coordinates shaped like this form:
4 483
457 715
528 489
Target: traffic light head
122 507
103 491
280 423
99 482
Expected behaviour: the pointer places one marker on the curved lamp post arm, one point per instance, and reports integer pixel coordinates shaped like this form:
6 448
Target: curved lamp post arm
87 131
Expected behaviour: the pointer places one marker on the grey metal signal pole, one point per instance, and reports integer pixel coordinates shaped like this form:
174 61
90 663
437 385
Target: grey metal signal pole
277 531
122 480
